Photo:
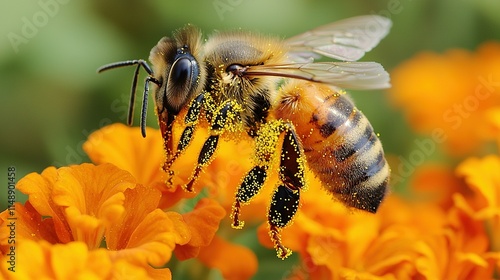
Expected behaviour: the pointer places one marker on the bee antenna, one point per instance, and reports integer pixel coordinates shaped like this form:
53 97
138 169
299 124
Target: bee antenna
130 117
144 109
150 78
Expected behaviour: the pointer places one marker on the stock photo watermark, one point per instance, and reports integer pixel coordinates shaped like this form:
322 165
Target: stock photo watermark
31 25
393 7
11 218
76 155
454 117
223 6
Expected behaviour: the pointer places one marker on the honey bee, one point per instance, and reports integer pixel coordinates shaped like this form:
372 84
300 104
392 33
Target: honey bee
273 90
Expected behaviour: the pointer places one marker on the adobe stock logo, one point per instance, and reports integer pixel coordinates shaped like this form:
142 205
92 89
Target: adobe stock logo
31 26
223 6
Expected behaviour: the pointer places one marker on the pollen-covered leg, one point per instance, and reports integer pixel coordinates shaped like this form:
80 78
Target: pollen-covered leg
292 163
285 201
224 117
265 151
190 120
251 185
284 205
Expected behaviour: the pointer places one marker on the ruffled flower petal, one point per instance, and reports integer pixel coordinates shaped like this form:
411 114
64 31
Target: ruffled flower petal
92 198
203 223
235 262
41 260
39 188
26 223
125 147
144 234
483 177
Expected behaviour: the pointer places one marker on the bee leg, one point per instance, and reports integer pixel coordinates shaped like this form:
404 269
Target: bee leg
166 123
251 185
285 200
191 120
284 205
227 112
265 151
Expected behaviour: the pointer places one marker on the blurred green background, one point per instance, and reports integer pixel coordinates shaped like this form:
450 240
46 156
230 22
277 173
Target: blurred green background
52 99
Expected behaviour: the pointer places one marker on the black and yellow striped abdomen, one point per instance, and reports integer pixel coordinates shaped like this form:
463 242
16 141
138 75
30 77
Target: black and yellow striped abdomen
339 143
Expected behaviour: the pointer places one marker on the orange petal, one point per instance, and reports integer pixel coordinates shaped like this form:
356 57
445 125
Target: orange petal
203 222
39 188
234 261
462 87
28 224
146 234
125 270
138 203
154 239
492 116
437 183
156 273
483 177
125 147
41 260
172 195
92 197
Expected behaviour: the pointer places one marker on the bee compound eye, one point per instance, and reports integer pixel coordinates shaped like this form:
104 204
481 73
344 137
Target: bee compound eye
236 69
181 73
183 79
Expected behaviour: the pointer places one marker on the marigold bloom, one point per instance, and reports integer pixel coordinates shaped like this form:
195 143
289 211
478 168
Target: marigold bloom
450 94
81 201
493 119
456 251
125 147
483 177
75 208
142 157
335 243
436 183
404 240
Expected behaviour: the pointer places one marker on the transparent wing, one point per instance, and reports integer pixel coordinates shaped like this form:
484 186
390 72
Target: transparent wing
347 39
348 75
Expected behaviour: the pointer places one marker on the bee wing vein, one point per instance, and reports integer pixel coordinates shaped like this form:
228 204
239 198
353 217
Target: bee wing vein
346 40
349 75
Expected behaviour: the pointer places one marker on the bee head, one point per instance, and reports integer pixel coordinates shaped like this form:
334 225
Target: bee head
177 66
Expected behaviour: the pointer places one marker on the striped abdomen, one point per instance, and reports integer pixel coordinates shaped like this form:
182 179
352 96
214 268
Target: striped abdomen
339 143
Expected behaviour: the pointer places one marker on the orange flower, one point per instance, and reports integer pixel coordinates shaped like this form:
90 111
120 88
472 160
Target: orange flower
242 265
75 208
483 177
437 183
143 157
493 120
126 148
81 201
460 90
337 244
201 221
448 95
457 250
404 240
